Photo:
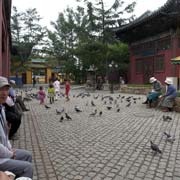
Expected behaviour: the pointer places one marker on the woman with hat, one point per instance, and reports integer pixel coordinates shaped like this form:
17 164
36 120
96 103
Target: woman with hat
155 92
167 100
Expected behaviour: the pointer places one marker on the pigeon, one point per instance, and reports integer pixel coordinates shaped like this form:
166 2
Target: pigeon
76 108
92 103
46 106
94 113
96 97
68 117
155 148
59 111
128 105
169 138
166 118
109 107
169 118
100 113
61 119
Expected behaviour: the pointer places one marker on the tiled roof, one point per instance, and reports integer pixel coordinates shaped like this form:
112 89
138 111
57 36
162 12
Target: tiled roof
148 15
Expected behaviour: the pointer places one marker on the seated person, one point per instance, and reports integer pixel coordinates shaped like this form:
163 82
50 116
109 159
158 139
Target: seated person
17 161
167 100
17 99
156 91
13 117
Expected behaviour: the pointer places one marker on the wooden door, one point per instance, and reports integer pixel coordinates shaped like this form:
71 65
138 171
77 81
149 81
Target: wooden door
148 69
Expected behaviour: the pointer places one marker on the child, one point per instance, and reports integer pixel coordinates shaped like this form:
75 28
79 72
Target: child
41 95
67 89
51 93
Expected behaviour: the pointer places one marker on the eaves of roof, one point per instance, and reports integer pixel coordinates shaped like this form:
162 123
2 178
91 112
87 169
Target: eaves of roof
147 17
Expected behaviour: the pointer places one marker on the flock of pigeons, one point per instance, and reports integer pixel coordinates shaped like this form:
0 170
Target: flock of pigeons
169 138
110 103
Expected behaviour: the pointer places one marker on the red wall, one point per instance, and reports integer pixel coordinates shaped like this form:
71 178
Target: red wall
170 70
5 40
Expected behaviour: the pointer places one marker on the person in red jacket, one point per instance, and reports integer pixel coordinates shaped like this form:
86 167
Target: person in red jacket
67 89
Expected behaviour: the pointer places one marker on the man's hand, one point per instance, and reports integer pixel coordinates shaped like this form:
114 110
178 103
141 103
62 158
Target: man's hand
14 154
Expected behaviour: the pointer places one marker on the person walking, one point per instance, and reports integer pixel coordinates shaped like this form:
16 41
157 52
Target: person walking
51 93
67 89
34 81
41 95
17 161
56 85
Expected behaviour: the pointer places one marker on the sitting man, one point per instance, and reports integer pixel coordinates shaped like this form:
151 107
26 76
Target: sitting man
17 99
13 116
17 161
155 93
167 100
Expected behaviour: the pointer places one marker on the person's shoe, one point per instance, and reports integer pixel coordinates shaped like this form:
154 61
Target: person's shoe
26 109
165 110
145 102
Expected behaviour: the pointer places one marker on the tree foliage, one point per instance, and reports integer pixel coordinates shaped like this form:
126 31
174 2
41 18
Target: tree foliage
85 35
26 33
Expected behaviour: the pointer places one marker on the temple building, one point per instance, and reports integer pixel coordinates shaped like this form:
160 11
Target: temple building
5 37
38 68
154 40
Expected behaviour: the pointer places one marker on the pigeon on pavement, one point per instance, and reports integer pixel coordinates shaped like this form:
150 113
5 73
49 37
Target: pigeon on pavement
77 109
68 117
61 119
155 148
94 113
46 106
169 138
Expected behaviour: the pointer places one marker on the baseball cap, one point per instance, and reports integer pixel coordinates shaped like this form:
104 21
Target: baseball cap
3 82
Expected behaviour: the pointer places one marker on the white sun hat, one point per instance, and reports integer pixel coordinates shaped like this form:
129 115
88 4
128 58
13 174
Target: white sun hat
168 81
152 79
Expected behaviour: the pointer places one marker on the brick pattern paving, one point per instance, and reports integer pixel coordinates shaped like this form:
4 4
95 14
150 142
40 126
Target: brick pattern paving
113 146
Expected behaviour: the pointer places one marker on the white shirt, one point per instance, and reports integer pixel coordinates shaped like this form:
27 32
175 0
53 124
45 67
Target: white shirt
56 85
9 101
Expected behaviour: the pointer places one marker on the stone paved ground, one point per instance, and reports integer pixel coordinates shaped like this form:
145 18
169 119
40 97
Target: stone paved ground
114 146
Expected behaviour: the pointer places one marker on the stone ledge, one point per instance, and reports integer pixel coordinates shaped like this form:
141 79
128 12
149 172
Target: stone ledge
134 90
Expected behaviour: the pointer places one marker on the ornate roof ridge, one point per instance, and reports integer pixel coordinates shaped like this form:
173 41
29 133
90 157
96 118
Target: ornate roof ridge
146 16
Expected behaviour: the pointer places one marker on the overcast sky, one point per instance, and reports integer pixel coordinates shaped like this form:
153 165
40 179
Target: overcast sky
49 10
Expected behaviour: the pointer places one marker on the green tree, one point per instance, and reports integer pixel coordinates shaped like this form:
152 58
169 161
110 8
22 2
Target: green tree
119 53
26 33
103 20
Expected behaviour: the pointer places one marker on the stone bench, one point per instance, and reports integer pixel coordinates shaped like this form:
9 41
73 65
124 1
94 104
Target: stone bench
176 106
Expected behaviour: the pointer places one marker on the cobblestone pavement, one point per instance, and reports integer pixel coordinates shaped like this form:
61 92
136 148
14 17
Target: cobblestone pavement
113 146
